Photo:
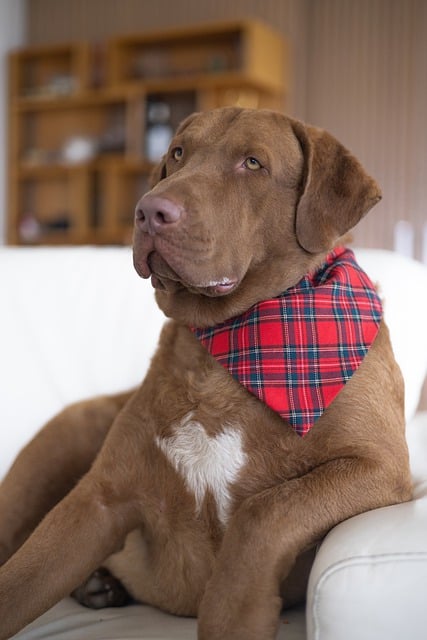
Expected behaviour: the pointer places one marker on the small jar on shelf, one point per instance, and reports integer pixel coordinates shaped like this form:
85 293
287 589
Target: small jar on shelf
159 130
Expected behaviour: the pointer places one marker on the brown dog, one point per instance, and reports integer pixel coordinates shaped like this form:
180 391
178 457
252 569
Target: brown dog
197 496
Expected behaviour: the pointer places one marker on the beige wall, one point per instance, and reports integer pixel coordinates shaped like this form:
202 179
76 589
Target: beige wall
359 69
367 79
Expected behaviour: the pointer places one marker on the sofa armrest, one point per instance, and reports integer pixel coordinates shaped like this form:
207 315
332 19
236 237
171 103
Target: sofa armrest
369 577
368 580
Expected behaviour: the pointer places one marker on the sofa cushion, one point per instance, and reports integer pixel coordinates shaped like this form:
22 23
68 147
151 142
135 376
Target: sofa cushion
403 289
368 579
75 322
70 621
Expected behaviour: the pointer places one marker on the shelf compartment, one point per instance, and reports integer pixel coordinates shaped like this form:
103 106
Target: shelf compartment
53 206
72 135
43 73
168 55
245 47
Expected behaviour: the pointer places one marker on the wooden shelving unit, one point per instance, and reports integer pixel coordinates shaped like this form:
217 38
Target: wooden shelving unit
79 120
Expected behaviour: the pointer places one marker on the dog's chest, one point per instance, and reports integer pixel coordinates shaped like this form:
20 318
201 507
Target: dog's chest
207 463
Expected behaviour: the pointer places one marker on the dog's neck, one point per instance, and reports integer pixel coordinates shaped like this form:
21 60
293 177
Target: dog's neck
297 351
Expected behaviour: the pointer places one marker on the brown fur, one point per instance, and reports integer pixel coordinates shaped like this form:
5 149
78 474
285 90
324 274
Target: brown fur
119 501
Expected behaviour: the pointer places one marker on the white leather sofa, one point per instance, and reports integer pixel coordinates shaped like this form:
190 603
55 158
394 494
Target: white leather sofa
78 322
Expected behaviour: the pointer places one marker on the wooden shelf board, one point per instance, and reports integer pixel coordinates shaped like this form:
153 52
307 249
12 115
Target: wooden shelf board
121 163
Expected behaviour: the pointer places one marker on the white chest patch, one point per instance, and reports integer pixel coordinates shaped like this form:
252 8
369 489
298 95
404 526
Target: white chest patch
205 462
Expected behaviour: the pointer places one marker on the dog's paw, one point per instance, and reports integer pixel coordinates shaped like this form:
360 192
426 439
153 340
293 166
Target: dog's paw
101 590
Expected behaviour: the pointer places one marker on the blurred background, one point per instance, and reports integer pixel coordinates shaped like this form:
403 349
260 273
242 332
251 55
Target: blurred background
355 67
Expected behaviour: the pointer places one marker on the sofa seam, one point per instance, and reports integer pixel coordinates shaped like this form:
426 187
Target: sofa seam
356 561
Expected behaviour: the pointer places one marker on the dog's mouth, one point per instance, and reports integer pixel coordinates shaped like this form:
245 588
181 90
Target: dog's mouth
165 278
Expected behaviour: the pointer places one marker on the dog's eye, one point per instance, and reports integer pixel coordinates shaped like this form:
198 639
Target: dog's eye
252 163
177 153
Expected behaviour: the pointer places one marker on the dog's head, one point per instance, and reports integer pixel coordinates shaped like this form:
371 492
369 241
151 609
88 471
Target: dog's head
244 204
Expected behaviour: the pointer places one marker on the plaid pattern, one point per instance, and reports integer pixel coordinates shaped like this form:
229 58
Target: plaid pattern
297 351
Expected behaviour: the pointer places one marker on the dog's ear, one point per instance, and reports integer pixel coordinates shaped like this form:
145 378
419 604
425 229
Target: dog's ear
336 191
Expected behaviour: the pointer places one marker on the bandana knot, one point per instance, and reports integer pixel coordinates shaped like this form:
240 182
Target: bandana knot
297 351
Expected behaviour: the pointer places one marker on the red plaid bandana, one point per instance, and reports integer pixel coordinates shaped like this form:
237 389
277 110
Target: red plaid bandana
297 351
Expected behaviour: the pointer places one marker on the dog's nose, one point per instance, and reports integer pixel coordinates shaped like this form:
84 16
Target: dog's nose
154 213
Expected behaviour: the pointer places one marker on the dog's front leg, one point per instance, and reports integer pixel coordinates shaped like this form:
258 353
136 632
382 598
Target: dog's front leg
267 533
50 466
72 540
